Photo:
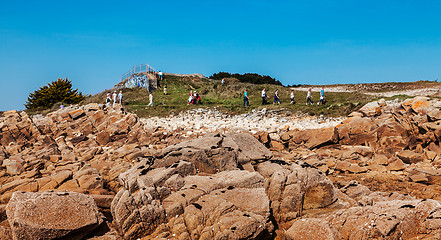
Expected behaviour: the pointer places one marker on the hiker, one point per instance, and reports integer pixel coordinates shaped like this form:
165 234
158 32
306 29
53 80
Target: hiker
322 97
223 81
120 97
165 89
151 100
264 96
197 98
108 99
160 75
245 99
115 96
276 97
292 97
194 97
190 99
308 97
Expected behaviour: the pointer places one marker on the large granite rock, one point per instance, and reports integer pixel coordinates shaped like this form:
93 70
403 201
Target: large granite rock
292 189
182 199
52 215
216 153
172 201
393 219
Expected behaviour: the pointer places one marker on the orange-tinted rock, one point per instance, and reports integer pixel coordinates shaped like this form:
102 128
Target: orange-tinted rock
311 229
277 146
52 215
76 114
342 166
103 138
409 157
396 165
355 168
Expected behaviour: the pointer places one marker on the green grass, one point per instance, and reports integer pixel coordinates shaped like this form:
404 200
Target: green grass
228 98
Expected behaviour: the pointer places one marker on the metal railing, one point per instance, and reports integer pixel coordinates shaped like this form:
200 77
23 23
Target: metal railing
142 68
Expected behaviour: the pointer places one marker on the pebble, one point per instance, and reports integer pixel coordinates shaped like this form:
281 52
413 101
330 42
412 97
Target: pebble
209 120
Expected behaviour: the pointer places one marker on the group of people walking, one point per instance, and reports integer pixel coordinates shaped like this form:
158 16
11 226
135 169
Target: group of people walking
194 98
292 98
117 98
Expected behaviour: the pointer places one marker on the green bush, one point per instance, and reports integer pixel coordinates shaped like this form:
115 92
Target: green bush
247 77
59 91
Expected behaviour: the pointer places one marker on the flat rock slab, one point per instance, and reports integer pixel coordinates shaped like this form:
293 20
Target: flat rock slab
52 215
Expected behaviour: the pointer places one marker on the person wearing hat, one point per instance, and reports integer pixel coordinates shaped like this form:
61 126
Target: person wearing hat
108 100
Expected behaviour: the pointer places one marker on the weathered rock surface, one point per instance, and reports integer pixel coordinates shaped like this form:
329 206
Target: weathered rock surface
52 215
388 220
216 153
172 201
182 199
228 185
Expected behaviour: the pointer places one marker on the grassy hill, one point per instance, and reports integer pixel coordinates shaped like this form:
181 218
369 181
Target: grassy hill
228 98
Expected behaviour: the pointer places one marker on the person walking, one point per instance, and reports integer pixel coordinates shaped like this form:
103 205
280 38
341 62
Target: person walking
190 98
276 97
292 97
308 97
151 100
322 97
223 81
120 96
160 75
165 89
195 97
115 96
264 96
108 99
245 99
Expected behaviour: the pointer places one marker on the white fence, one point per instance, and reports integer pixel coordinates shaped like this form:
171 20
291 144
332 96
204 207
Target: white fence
142 68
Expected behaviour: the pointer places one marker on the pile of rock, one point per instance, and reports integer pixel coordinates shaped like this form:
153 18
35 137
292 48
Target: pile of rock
201 121
80 149
76 148
191 192
102 173
400 138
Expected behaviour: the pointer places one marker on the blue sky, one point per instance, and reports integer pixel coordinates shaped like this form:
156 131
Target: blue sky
298 42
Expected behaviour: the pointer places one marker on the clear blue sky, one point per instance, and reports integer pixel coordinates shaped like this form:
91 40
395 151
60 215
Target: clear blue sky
298 42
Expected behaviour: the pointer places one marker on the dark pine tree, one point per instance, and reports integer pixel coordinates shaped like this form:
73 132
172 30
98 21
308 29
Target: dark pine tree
59 91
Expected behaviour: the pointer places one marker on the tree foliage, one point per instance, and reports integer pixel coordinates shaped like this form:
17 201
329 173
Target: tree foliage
59 91
247 77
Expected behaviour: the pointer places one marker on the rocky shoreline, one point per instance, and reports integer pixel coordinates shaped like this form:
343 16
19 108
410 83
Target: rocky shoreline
91 172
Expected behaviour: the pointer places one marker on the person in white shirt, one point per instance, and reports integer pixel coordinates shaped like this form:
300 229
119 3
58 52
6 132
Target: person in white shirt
308 97
292 97
120 97
264 96
151 100
114 97
160 75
